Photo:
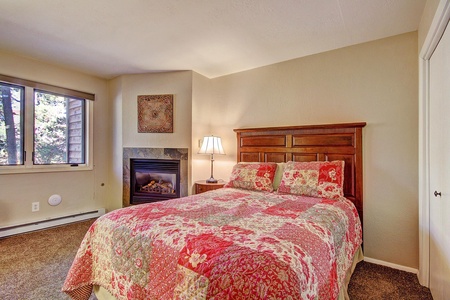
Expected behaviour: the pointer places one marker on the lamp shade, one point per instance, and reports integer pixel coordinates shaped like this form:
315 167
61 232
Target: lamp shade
211 145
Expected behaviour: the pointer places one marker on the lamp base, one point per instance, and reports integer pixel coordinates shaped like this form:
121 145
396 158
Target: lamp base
211 180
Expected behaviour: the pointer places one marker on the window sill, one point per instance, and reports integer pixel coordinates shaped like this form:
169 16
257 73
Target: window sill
43 169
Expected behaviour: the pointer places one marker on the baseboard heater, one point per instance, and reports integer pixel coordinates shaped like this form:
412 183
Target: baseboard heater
51 222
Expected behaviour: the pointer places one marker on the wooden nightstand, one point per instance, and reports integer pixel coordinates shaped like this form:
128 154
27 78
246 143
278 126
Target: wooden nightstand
202 186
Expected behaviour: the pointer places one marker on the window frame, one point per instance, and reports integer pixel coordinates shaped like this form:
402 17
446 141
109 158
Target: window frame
28 165
83 122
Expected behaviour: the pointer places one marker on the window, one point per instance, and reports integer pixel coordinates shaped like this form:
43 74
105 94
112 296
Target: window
43 126
58 129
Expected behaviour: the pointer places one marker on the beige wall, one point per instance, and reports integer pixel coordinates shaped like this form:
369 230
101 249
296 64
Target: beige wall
124 91
114 199
202 125
375 82
177 83
81 191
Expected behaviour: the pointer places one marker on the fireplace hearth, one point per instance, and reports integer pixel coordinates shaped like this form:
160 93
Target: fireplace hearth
154 180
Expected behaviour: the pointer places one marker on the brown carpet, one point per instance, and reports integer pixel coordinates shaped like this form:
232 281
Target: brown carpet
33 267
373 282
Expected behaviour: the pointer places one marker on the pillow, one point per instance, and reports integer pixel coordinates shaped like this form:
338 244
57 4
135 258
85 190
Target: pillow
278 175
322 179
253 176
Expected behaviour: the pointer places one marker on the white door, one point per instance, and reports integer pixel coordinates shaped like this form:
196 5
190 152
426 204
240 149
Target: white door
440 169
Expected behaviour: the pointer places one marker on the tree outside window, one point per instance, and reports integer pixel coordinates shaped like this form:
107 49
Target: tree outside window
11 120
58 129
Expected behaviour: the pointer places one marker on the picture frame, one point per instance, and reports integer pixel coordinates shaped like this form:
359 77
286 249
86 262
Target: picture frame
155 113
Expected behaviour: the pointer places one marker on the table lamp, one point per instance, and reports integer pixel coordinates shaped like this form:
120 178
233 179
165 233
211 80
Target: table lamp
211 145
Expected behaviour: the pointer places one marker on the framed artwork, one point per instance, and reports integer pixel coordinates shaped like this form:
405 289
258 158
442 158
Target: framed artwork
155 113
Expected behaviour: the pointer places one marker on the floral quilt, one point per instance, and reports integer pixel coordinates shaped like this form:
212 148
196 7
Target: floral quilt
224 244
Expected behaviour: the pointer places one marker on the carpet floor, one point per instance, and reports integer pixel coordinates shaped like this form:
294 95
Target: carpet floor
34 266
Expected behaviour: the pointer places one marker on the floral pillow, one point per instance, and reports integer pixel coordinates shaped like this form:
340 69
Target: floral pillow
323 179
253 176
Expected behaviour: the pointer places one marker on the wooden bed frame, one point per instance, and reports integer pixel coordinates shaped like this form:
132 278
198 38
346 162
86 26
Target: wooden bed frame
309 143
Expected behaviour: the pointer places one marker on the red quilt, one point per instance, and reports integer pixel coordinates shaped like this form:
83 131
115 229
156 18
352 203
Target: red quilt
224 244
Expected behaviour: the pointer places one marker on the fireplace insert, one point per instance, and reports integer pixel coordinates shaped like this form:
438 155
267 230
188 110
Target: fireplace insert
154 180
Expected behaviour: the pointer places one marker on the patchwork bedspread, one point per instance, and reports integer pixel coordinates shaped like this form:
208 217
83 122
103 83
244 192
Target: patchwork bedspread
223 244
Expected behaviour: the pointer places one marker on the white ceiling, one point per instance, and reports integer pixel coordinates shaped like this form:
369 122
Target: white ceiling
212 37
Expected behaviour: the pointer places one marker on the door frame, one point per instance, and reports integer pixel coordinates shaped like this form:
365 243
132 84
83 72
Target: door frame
437 27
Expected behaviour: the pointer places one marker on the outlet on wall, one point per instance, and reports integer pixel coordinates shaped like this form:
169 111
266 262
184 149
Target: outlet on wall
35 206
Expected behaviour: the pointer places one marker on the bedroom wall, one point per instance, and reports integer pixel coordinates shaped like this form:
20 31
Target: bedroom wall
114 200
81 191
374 82
124 91
177 83
203 125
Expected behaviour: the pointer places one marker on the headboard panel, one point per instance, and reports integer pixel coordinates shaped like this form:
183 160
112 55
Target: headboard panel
309 143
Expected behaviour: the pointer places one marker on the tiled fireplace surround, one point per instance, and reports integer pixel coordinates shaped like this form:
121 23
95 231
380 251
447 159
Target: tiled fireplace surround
154 153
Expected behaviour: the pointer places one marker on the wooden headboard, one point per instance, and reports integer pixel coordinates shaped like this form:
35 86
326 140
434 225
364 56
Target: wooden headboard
309 143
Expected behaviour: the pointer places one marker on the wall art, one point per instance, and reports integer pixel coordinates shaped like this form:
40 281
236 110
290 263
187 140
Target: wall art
155 113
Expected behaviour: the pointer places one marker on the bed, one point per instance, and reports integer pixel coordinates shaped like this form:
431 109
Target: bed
286 226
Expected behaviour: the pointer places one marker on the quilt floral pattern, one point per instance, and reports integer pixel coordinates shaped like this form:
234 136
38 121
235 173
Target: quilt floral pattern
224 244
252 176
316 179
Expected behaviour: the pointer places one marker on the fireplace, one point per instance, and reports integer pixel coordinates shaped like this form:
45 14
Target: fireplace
180 154
154 180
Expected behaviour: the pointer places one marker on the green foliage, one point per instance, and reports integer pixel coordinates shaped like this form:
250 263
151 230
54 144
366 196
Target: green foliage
10 125
50 129
51 136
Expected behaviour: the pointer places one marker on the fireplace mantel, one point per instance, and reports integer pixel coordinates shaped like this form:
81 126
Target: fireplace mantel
154 153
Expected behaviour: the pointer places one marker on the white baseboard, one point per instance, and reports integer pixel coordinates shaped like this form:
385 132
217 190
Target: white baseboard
391 265
52 222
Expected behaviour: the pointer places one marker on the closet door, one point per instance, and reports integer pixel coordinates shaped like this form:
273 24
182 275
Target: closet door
440 169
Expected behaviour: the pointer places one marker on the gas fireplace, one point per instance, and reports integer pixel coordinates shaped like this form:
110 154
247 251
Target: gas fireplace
154 180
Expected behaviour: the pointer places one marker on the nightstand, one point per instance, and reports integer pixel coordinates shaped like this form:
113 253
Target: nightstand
202 186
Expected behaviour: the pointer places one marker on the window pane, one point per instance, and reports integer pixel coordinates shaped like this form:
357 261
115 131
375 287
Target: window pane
58 129
11 118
